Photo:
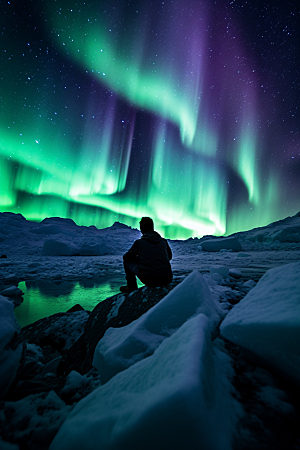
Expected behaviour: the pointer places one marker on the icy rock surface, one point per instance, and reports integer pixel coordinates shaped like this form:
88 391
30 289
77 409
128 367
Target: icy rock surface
267 321
173 399
121 347
11 345
60 330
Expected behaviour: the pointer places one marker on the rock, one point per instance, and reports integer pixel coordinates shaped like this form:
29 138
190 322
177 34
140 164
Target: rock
215 245
3 256
12 347
51 366
58 331
116 311
11 292
75 308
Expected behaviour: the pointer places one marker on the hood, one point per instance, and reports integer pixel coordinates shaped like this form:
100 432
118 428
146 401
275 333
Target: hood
152 236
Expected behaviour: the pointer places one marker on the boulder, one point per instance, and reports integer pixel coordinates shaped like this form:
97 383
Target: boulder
215 245
58 331
12 347
116 311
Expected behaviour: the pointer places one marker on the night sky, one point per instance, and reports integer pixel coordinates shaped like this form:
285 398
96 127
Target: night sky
185 111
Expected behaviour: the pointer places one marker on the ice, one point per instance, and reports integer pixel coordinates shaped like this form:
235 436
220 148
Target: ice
174 399
243 255
121 347
216 245
249 284
40 415
221 270
93 248
53 247
235 273
266 323
115 307
10 354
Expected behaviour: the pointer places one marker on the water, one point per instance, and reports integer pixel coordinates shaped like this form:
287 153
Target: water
43 298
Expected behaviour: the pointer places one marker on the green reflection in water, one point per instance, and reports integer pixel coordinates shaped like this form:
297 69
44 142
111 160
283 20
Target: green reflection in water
44 298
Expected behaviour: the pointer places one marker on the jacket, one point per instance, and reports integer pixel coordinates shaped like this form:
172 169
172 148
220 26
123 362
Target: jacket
153 255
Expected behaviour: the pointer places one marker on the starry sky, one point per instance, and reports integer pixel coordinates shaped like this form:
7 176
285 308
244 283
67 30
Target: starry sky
186 111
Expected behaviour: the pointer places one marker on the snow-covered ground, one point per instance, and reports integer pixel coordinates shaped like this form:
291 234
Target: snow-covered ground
169 379
99 252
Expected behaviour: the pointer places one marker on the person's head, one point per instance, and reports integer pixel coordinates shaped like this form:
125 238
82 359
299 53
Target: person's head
146 225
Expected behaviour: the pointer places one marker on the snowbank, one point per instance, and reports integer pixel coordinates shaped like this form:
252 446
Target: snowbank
174 399
267 321
121 347
11 348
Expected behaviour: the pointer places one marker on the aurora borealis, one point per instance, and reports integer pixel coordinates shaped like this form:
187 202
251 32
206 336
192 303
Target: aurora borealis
185 111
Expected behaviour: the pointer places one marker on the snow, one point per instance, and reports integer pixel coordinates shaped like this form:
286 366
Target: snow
173 399
10 355
74 382
115 307
121 347
266 323
41 416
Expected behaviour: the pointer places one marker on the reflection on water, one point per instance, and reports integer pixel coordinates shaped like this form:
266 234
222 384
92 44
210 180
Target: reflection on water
43 298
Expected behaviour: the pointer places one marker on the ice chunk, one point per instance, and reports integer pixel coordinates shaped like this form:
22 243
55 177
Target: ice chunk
235 273
174 399
221 270
53 247
121 347
266 322
215 245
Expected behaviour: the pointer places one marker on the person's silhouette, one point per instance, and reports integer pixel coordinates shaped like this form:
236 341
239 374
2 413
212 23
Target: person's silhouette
148 259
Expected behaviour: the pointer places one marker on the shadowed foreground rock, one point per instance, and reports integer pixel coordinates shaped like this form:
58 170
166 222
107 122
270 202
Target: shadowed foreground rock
116 311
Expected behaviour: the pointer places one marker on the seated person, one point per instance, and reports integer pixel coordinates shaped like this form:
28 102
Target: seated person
148 259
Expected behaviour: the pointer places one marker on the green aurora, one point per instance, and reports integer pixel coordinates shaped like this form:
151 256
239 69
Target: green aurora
113 113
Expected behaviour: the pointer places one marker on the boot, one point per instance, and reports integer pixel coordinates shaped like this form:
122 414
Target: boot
127 289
